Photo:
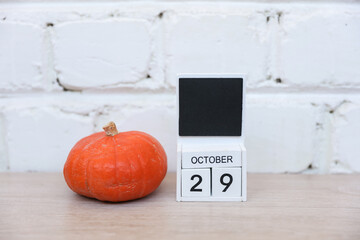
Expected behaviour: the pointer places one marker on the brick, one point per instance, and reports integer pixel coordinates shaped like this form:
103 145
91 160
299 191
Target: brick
217 44
280 135
20 56
94 54
346 138
39 139
319 47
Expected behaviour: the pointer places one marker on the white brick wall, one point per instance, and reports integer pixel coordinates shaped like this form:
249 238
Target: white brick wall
281 133
39 138
326 39
68 68
20 56
202 43
346 138
93 54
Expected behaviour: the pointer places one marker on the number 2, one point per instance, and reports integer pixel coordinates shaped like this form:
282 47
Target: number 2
194 189
227 184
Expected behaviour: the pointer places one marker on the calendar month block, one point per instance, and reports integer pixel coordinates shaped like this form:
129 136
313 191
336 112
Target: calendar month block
211 155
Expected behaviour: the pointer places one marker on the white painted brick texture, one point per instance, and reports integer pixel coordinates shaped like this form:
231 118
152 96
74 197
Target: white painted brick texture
280 134
101 53
20 56
211 43
346 138
318 48
68 68
39 139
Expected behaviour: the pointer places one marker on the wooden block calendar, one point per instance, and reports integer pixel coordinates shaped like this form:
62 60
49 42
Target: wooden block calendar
211 156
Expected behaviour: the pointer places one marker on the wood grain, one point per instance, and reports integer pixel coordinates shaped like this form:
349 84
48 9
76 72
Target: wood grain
41 206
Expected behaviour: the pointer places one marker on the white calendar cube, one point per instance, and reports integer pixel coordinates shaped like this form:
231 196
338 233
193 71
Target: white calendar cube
211 155
226 182
195 182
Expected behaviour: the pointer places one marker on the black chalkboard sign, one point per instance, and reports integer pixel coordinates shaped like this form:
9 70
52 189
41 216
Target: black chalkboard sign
210 106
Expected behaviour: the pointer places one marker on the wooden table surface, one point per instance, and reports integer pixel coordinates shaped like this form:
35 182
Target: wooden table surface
41 206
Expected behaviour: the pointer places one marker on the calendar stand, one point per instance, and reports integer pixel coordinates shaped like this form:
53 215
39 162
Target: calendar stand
211 156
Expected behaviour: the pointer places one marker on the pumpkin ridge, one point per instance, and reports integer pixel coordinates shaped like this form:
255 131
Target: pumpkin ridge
88 161
142 172
152 141
140 160
116 165
145 137
73 161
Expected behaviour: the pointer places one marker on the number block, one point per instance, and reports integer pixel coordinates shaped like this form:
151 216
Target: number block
226 182
195 182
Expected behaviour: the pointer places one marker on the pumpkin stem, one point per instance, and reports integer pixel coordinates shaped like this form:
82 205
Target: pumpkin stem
110 129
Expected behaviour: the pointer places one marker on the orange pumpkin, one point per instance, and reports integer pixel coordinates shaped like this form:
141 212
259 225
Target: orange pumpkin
112 166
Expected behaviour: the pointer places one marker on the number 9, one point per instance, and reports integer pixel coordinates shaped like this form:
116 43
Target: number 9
226 184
